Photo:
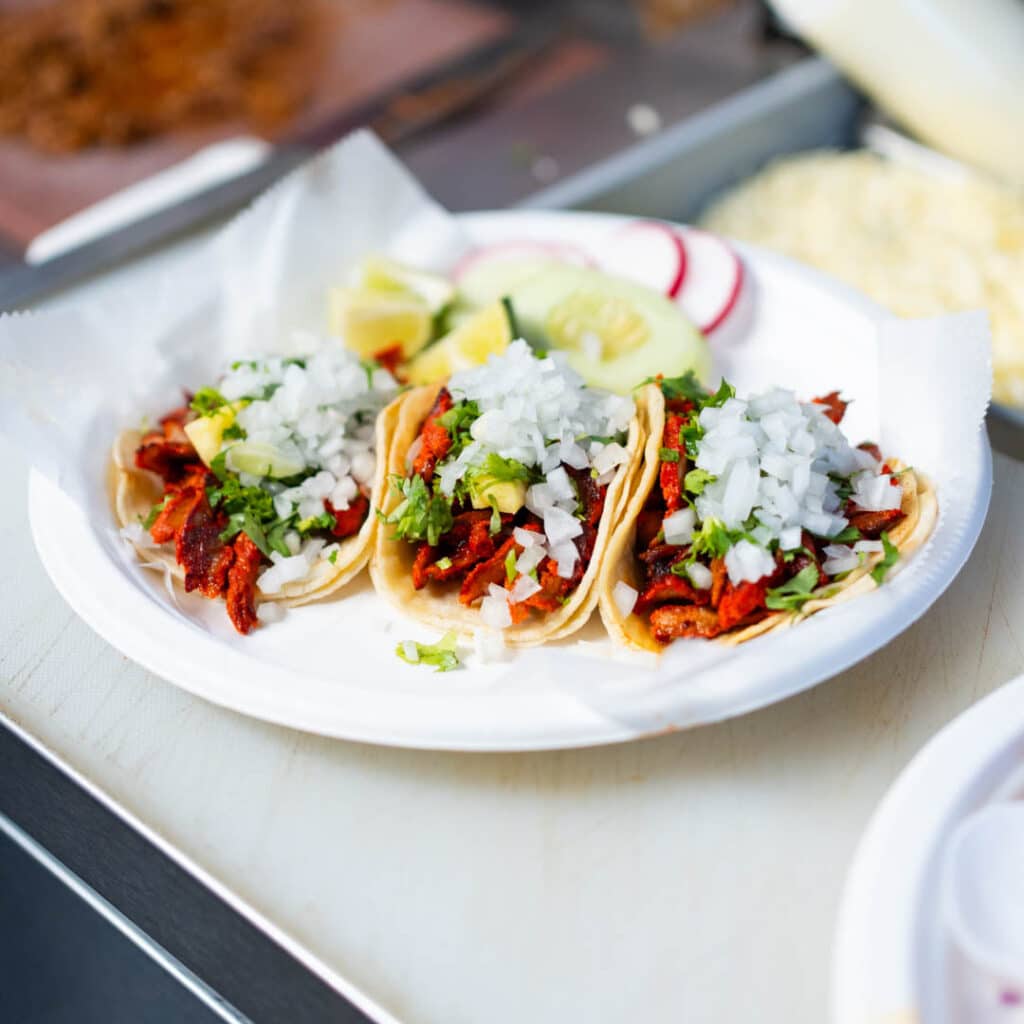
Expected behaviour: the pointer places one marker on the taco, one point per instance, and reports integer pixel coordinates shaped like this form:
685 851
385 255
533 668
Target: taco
503 488
261 489
747 516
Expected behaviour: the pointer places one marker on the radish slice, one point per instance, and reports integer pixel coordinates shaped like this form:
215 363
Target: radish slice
714 279
648 252
523 250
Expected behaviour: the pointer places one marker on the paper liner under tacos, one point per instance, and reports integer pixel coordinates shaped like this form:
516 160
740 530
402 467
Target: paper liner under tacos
136 491
391 566
621 564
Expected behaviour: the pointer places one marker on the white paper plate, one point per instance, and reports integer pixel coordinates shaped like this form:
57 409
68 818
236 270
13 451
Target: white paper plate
894 961
331 668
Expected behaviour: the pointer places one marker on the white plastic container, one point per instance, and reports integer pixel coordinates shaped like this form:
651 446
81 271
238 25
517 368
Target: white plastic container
950 70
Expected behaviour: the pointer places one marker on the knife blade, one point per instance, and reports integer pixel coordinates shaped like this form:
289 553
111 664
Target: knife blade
396 115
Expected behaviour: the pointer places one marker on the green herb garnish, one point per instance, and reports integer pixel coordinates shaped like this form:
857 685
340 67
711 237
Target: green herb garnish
697 479
795 592
685 387
444 563
891 555
510 565
333 557
668 455
421 515
206 401
848 536
154 512
441 655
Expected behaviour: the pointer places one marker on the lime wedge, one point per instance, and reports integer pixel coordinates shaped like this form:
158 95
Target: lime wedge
207 432
486 333
371 322
378 273
262 459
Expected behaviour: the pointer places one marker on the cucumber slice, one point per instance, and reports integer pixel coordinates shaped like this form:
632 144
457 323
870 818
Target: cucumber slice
262 459
487 280
616 332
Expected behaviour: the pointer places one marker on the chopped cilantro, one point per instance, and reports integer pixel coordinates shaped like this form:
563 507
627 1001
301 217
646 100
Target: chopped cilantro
441 655
249 510
495 526
233 432
234 497
690 434
891 555
668 455
674 388
510 565
147 523
421 515
697 479
791 595
712 540
721 396
848 536
444 563
218 466
788 556
275 536
324 521
843 487
206 401
245 521
457 421
333 557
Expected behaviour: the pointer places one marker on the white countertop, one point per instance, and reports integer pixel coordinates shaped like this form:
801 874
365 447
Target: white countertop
692 877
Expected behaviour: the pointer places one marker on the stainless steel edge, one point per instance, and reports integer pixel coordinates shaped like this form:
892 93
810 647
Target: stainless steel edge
674 173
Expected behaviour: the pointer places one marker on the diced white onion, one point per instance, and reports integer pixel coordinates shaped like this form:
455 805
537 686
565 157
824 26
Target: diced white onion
679 526
494 609
625 598
746 562
700 576
839 558
524 587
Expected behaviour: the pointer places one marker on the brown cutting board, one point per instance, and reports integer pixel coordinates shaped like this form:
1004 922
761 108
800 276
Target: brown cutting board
377 44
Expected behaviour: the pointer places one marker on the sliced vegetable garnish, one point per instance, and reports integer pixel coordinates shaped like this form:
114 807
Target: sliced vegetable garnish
890 557
714 279
441 656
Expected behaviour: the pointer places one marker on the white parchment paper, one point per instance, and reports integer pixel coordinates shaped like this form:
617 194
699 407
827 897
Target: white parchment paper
72 377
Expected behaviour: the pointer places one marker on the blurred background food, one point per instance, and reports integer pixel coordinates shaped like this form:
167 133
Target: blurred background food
114 72
98 95
920 243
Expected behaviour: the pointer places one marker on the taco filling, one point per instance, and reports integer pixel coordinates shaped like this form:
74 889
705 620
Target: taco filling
507 484
263 477
757 507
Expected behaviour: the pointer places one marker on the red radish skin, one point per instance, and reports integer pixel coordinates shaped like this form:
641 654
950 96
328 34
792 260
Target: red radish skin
713 282
730 304
618 259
